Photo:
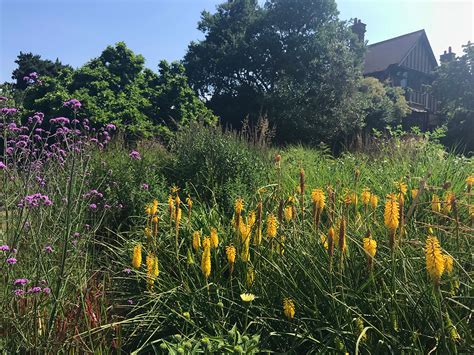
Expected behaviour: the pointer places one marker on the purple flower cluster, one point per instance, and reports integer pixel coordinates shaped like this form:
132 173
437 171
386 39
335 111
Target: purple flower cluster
135 155
4 247
93 193
2 166
60 120
36 119
48 249
21 282
73 104
8 110
11 261
35 200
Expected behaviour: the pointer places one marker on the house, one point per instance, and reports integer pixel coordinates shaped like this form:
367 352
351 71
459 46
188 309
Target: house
406 61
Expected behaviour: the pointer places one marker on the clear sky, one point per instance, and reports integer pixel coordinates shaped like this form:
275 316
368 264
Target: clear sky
77 30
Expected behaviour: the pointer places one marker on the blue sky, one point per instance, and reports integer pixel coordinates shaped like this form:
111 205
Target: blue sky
78 30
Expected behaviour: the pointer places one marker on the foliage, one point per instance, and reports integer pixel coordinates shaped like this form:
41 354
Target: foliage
292 60
213 164
454 88
115 87
32 63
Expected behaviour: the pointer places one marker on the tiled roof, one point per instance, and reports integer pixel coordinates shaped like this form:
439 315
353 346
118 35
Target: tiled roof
391 51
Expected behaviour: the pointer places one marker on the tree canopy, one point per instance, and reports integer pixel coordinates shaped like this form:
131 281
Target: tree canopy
116 87
454 88
292 60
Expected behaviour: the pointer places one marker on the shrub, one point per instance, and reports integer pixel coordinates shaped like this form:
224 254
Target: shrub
216 165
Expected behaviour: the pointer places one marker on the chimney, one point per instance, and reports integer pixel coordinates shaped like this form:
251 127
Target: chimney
447 57
359 29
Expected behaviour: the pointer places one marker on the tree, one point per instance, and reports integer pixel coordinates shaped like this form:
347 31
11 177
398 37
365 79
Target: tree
454 88
32 63
293 60
117 88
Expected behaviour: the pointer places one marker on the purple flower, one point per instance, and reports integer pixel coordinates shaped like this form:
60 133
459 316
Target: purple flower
48 249
11 261
135 155
19 292
35 200
34 75
130 301
73 103
3 98
110 127
127 270
145 186
35 289
59 120
74 243
93 206
4 247
47 290
76 234
2 166
20 282
8 110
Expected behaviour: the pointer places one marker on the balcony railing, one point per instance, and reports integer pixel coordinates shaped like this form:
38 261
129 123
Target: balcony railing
423 99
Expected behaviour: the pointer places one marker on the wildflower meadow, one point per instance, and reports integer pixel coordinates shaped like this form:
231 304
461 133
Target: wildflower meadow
217 243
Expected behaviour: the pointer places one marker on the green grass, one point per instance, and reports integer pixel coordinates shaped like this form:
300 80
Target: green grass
340 306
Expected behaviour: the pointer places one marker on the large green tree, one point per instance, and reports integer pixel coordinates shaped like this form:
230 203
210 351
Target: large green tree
454 88
292 60
116 87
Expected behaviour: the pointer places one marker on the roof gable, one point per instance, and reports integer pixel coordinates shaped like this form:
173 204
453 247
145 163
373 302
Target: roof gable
381 55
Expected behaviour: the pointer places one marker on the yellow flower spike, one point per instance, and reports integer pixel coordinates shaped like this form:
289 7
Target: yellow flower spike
365 196
137 256
196 240
374 201
391 213
319 198
230 253
435 262
171 207
178 217
449 200
272 225
370 246
288 212
154 208
401 186
289 308
206 259
250 278
174 189
189 202
147 232
214 238
448 263
239 205
206 242
244 230
435 203
177 201
414 193
148 210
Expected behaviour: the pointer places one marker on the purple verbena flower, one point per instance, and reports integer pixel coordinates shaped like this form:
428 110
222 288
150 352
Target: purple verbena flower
111 127
35 289
127 270
73 103
47 290
145 186
19 292
4 247
11 261
93 206
20 282
135 155
48 249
